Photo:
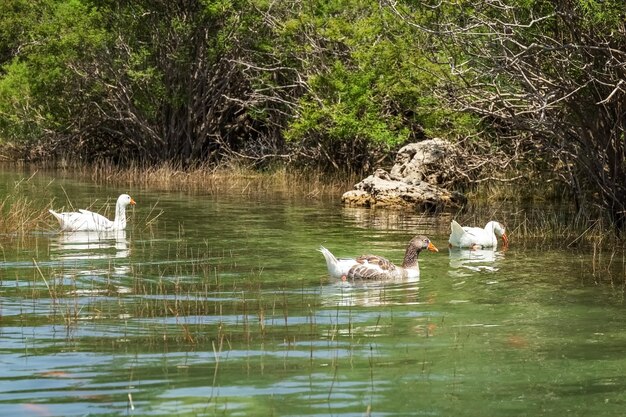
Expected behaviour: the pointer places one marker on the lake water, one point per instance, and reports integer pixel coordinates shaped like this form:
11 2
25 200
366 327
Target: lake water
221 305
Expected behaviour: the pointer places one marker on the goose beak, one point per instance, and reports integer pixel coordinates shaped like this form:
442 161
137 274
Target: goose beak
432 247
505 239
132 202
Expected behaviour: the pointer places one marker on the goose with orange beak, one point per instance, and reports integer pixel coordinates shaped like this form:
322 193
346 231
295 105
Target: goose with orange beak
476 237
375 267
85 220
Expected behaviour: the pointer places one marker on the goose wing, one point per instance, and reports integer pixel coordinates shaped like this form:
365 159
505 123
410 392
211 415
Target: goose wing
371 267
68 220
95 221
466 236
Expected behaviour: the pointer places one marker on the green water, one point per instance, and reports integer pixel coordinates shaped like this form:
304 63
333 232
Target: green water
221 305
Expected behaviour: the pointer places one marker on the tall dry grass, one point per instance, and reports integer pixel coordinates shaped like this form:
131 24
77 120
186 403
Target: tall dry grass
547 217
544 224
20 214
541 210
223 179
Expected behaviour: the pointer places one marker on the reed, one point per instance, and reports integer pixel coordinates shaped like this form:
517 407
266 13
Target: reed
221 179
548 225
20 214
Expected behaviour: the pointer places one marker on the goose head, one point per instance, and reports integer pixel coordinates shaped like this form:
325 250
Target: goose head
499 230
416 245
422 243
125 200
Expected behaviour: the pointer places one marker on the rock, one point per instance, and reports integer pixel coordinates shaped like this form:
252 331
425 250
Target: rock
358 198
430 160
414 180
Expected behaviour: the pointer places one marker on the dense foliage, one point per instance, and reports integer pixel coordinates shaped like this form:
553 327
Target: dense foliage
331 83
536 85
549 77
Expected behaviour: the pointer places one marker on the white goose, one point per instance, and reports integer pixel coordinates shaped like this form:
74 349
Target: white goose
476 237
85 220
376 267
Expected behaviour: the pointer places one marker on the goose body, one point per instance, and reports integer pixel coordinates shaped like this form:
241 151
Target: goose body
85 220
476 237
374 267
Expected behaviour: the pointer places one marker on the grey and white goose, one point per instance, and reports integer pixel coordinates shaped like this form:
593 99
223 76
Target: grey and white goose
375 267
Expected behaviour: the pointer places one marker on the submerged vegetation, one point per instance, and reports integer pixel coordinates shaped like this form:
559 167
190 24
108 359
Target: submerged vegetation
234 313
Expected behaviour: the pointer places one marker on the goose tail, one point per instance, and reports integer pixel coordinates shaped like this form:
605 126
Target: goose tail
336 268
331 260
57 216
456 234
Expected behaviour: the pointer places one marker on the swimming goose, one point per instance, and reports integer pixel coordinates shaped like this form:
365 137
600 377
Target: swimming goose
85 220
376 267
475 237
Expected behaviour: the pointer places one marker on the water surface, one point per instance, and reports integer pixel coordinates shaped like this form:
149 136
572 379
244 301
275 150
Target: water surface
221 305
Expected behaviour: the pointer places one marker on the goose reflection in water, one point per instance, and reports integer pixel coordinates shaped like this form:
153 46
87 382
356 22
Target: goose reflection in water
371 293
464 261
91 245
95 263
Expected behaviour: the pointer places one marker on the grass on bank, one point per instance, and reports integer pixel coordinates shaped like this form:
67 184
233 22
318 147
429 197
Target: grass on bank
546 218
20 214
223 179
540 210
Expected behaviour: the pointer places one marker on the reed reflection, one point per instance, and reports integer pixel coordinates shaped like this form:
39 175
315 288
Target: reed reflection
393 220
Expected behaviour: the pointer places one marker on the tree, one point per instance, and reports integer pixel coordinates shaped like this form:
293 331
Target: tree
168 87
37 86
194 81
151 80
368 88
548 74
